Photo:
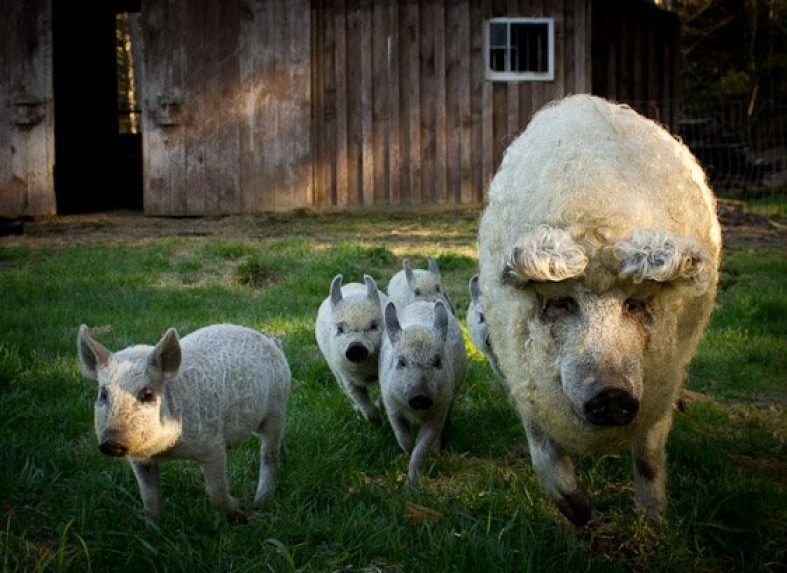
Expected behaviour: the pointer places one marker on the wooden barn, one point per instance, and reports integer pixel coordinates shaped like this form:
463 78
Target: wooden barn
206 107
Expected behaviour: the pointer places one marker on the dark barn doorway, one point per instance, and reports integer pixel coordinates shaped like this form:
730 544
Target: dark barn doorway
98 139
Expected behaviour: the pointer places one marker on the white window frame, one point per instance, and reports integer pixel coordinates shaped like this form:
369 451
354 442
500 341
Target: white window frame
509 76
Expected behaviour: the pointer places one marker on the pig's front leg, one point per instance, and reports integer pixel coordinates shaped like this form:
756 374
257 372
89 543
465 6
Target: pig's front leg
556 472
363 402
650 473
401 429
428 438
214 468
149 481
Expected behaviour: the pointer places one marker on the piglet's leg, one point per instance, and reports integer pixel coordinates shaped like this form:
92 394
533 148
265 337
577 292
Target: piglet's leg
362 401
149 481
401 429
271 432
214 468
556 472
650 473
427 439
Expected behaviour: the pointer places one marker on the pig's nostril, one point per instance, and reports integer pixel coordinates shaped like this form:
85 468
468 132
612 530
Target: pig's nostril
420 402
112 448
356 353
611 408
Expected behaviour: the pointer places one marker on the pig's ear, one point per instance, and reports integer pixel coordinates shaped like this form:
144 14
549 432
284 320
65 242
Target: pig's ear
475 290
371 290
336 290
392 326
408 272
166 356
544 254
441 321
655 255
432 266
92 354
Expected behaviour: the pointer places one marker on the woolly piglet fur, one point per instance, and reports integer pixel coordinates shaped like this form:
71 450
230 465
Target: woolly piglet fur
422 366
410 285
476 326
349 330
598 253
190 398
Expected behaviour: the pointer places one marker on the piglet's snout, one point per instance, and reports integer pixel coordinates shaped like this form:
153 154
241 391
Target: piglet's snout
356 352
420 402
611 407
110 444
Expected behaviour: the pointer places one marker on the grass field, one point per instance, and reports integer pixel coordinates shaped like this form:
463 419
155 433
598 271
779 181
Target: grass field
339 503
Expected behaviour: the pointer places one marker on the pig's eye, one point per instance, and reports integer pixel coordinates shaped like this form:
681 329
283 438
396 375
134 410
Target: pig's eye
417 291
373 326
438 289
437 363
401 362
102 395
635 308
146 396
481 318
340 328
557 308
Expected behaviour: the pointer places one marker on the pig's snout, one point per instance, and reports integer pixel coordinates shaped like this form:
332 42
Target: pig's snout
356 352
613 407
110 445
420 402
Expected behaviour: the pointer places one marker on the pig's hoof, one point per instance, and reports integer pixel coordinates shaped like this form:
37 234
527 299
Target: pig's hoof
576 507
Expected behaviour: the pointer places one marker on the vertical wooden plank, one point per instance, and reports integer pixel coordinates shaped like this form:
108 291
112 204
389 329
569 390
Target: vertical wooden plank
265 128
439 158
318 199
368 150
426 100
453 110
564 24
228 72
412 92
343 170
248 93
393 68
513 9
499 101
354 88
488 146
196 124
331 155
380 87
155 14
464 114
582 47
477 105
176 85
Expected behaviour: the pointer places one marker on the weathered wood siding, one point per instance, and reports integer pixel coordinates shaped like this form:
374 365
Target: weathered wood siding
402 113
635 57
227 106
26 109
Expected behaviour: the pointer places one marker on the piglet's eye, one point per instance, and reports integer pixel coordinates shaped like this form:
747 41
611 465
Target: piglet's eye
437 363
146 396
102 395
481 318
438 289
635 308
340 328
373 326
558 308
417 291
401 362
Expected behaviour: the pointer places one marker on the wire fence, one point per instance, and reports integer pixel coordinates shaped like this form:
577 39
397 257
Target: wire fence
741 144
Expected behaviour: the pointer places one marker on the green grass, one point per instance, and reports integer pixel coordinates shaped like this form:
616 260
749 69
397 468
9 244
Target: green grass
339 503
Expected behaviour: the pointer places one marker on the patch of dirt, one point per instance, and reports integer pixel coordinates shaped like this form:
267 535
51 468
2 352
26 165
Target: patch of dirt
739 228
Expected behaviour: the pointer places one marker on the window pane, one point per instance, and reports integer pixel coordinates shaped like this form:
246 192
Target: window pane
497 60
498 35
530 41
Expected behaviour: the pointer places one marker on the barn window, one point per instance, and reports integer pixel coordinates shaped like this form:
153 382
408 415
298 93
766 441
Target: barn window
519 49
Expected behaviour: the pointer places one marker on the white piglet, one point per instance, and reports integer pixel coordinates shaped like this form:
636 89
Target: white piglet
190 398
410 285
422 365
349 330
477 327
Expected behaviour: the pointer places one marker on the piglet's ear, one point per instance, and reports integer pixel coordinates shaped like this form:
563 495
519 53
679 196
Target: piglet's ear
655 255
92 354
371 289
475 289
336 290
166 356
392 326
441 321
432 266
544 254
